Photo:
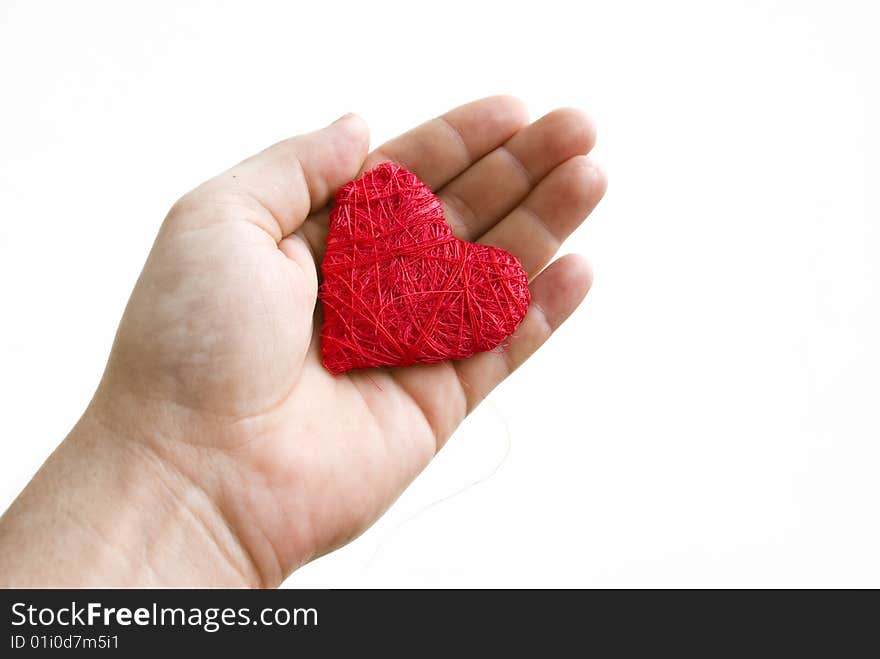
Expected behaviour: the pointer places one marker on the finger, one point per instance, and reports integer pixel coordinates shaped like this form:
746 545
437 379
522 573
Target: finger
492 187
440 149
300 174
535 229
556 293
446 392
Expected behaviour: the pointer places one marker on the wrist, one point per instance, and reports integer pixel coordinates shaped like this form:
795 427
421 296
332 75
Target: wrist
108 510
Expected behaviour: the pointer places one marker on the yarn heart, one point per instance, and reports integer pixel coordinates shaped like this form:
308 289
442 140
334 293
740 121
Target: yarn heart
399 288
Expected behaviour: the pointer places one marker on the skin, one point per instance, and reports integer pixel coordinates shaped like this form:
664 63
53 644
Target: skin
217 451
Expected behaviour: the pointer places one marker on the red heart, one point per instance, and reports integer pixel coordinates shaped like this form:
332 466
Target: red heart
399 288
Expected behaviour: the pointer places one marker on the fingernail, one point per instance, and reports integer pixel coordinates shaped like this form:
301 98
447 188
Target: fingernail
347 115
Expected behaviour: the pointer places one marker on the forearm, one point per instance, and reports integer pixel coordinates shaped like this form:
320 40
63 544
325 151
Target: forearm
107 511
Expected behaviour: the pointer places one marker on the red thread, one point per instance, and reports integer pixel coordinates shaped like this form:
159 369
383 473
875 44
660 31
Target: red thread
400 289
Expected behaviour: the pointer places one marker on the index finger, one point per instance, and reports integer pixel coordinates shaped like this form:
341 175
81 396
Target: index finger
440 149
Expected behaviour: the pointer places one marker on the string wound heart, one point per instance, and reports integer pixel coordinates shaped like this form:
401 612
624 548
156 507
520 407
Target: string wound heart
400 289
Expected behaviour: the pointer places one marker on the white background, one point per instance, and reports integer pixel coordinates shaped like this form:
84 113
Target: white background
710 416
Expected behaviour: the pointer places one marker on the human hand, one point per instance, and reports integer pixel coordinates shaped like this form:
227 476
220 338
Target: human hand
215 385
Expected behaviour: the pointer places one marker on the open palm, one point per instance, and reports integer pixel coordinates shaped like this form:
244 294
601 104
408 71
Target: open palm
220 338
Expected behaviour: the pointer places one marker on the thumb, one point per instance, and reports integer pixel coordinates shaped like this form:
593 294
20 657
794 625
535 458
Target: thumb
299 175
